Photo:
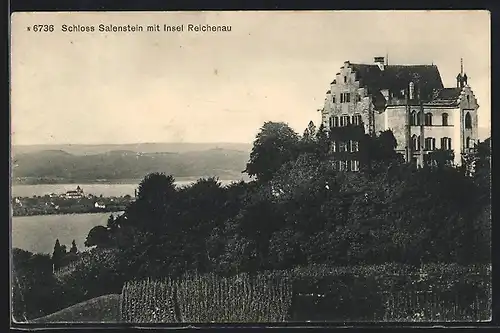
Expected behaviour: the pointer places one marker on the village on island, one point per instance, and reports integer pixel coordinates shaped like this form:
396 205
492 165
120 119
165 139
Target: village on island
71 202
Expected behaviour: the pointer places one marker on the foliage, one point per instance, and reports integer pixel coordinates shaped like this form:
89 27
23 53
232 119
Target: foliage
34 286
300 212
73 249
58 254
207 298
98 236
275 144
148 301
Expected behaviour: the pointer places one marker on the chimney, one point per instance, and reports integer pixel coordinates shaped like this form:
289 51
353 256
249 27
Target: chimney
380 62
411 91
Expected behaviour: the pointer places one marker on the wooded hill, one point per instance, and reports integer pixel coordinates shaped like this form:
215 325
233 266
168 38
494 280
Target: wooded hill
53 166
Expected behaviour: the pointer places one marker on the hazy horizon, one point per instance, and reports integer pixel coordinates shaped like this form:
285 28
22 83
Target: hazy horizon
209 88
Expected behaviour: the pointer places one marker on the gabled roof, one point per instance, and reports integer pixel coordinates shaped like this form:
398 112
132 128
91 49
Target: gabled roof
397 77
446 96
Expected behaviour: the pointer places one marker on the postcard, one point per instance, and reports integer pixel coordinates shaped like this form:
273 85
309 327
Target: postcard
250 167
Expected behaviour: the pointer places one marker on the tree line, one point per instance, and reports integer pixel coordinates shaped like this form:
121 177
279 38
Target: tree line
298 211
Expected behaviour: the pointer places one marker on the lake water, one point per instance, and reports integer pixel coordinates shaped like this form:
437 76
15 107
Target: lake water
107 190
39 233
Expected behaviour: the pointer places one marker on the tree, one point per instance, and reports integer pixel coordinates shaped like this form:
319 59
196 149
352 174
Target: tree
73 249
112 223
35 292
58 254
156 196
98 236
309 141
323 142
309 133
275 144
154 186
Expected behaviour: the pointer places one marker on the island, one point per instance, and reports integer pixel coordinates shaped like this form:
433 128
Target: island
71 202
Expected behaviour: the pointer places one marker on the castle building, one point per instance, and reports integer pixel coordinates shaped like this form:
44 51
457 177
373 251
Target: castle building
409 100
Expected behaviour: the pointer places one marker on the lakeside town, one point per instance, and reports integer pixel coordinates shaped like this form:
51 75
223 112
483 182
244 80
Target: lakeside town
72 202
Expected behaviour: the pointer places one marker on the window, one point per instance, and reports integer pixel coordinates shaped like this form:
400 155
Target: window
414 145
344 120
342 165
354 146
430 144
345 79
358 98
428 119
413 118
336 121
467 143
468 99
333 147
354 165
445 119
419 144
347 120
446 143
345 97
468 120
333 99
356 119
419 118
342 146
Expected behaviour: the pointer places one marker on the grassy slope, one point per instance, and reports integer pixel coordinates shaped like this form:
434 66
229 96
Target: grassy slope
100 309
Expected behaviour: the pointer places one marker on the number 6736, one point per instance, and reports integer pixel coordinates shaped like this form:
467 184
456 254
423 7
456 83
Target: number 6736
43 28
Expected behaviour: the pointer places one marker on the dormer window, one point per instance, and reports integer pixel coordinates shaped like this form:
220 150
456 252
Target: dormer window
345 79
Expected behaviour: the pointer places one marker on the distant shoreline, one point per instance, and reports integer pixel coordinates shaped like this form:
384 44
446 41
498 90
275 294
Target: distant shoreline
105 181
104 211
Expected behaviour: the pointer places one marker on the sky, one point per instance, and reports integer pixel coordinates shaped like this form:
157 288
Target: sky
131 87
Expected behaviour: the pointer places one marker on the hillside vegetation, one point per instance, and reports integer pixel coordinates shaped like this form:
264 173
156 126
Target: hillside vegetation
390 241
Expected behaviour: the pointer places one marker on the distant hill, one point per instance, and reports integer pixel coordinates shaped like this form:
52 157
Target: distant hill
173 147
58 166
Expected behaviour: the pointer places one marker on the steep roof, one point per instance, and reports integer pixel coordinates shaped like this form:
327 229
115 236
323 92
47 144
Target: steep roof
446 96
397 77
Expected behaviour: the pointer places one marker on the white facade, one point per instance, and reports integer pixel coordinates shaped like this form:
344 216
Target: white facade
379 97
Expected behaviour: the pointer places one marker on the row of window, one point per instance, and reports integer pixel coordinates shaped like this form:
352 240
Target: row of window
430 143
351 165
345 146
345 120
345 98
416 119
